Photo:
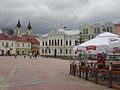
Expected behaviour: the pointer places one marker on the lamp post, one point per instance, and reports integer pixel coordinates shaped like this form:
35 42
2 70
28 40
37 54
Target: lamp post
80 40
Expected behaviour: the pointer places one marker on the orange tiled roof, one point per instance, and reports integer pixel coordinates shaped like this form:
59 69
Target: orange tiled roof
23 38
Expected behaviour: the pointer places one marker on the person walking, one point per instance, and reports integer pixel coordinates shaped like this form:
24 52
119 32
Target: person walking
30 55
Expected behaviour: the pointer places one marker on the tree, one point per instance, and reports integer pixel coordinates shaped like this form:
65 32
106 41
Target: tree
80 39
8 31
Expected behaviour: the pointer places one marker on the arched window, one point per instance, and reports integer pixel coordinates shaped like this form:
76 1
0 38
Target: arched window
60 51
70 51
22 52
52 42
42 50
49 42
69 42
66 43
58 42
43 44
49 51
61 42
66 51
55 42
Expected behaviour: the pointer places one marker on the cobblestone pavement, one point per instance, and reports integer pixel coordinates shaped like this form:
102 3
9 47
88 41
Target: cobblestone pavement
40 74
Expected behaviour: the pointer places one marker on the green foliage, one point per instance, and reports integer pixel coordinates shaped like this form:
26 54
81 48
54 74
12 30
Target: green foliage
8 31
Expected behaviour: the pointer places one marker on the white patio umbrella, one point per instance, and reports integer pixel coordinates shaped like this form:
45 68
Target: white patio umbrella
100 43
115 46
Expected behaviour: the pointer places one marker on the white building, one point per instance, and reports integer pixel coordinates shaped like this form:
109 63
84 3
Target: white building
7 45
100 28
59 43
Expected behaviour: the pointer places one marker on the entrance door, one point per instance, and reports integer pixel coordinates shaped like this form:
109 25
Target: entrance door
55 53
8 52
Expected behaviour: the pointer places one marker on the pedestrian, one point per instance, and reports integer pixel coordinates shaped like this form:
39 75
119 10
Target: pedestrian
36 55
15 55
24 56
30 55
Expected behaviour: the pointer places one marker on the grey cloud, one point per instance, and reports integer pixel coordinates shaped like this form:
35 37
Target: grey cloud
44 14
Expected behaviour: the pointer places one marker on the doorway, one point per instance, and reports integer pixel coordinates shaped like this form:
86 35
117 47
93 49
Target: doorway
55 53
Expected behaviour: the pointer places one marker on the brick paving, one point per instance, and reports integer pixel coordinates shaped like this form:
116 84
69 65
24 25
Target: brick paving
40 74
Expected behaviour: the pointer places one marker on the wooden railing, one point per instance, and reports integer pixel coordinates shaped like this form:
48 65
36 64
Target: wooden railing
109 76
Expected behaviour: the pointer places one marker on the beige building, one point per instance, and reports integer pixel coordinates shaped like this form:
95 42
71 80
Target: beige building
117 29
7 45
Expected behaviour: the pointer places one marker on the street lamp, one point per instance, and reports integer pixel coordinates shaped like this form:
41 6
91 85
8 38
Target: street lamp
80 40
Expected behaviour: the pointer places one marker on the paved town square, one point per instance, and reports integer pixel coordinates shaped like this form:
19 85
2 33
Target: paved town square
23 73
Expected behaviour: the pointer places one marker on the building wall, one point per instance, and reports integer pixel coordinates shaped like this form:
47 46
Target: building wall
23 48
7 45
58 49
35 49
117 29
85 32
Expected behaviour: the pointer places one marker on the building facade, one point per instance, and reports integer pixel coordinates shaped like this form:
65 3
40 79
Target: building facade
98 28
90 31
26 43
19 43
85 31
117 29
7 45
59 43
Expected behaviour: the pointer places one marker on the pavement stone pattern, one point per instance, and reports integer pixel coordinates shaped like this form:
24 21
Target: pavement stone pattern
40 74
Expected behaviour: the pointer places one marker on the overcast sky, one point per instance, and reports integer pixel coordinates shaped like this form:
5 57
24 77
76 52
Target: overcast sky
44 14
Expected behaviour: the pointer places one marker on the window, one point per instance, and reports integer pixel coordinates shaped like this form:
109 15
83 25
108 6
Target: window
55 42
12 44
70 51
45 50
49 42
86 31
58 42
7 44
28 45
61 42
66 42
110 29
107 29
60 51
28 52
52 42
66 51
23 44
43 44
69 42
17 52
98 30
76 42
22 52
2 43
83 31
49 51
46 43
95 31
42 50
18 45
